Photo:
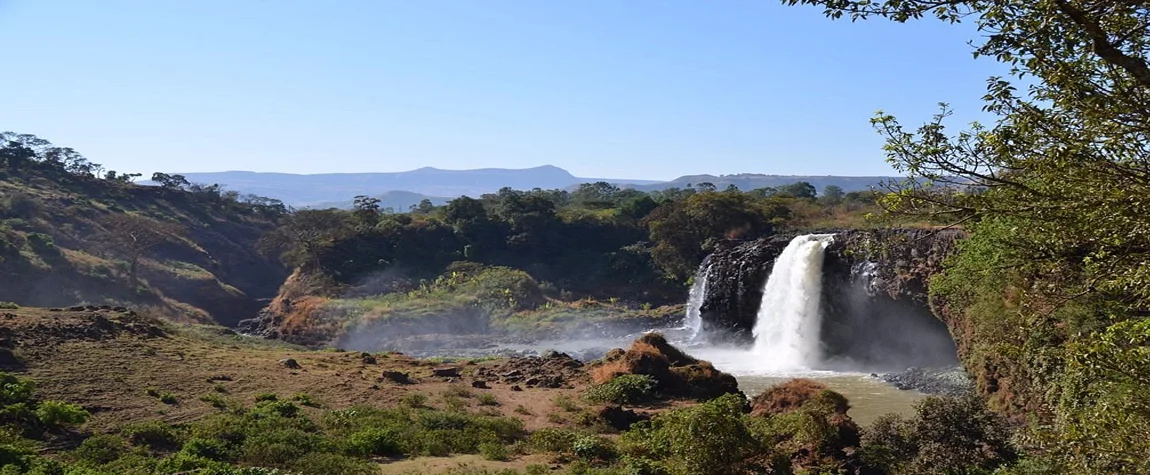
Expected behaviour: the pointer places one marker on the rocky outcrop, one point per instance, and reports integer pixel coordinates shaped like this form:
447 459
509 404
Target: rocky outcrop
735 277
676 374
874 294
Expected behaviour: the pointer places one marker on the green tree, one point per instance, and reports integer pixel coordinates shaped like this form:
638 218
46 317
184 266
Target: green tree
1055 194
685 231
366 210
800 189
171 182
832 195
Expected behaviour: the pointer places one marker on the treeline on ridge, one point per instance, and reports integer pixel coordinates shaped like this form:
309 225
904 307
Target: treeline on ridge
598 240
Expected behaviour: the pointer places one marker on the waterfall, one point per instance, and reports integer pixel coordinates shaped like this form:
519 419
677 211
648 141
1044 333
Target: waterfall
694 322
787 327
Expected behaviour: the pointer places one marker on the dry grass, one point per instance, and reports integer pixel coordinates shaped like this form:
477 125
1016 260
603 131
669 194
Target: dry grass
109 373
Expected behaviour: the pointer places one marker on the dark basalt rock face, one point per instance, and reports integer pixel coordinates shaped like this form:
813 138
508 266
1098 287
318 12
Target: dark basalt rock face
735 277
874 295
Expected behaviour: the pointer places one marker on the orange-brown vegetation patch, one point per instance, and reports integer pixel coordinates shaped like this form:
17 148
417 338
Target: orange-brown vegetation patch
789 396
677 373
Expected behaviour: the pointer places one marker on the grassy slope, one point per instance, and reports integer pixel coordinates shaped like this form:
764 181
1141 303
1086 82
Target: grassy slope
109 367
50 255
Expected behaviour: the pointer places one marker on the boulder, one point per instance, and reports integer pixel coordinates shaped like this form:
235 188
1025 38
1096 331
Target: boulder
290 363
367 358
619 418
480 384
397 377
446 372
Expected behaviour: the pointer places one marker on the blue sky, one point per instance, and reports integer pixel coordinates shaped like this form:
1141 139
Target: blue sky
604 88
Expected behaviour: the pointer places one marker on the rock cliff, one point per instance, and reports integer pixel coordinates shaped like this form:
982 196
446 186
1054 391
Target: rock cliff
874 297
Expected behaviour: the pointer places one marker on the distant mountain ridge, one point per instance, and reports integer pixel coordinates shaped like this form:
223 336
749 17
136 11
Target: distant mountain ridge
438 185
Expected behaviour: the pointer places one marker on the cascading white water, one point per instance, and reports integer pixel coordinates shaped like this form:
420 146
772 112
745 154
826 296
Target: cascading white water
787 327
698 293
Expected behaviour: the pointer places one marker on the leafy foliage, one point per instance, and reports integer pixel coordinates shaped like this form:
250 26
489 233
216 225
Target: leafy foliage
624 389
1054 282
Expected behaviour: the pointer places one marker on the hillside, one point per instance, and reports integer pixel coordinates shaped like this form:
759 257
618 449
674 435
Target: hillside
303 190
69 236
338 189
751 181
397 201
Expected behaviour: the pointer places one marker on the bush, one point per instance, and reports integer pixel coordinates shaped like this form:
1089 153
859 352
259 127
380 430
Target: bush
215 400
9 306
591 447
23 205
710 438
55 414
155 435
322 462
375 441
305 400
168 398
565 403
278 408
14 390
493 451
99 450
263 397
414 400
939 439
488 399
206 449
553 439
623 389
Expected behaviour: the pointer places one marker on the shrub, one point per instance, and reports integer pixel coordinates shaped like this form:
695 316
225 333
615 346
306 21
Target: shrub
278 408
9 306
322 462
591 447
493 451
206 449
454 403
565 403
623 389
710 438
58 414
457 391
155 435
305 400
14 390
262 397
375 441
215 400
168 398
488 399
99 450
23 205
414 400
553 439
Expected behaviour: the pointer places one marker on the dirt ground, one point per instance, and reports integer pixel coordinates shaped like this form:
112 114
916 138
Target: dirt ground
108 360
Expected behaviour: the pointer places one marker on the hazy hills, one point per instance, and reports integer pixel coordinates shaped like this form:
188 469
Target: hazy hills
400 190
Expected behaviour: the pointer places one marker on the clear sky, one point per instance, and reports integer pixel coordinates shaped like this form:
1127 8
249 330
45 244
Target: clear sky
604 88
